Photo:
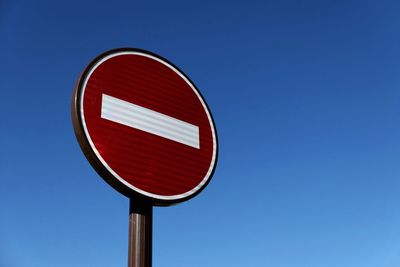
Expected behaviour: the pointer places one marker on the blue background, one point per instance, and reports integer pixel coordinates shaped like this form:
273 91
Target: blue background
305 95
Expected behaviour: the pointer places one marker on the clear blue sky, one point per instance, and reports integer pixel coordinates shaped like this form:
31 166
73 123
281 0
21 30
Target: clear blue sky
306 99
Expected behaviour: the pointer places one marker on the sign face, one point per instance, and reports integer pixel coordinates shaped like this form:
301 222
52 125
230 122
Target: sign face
144 126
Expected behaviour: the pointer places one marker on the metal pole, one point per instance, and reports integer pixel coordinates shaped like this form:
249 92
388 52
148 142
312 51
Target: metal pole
140 234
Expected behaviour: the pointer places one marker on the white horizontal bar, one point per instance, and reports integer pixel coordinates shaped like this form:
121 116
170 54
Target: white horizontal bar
150 121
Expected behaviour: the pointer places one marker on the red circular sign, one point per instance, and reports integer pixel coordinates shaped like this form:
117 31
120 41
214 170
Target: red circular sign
144 126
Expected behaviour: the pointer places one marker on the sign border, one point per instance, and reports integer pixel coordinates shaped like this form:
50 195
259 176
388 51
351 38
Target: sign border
94 157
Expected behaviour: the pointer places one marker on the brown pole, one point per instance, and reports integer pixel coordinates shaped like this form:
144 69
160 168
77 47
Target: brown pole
140 234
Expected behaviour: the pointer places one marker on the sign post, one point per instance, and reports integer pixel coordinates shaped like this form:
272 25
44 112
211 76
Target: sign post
140 234
148 132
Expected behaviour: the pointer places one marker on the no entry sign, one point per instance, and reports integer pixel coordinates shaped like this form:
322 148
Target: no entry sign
144 126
